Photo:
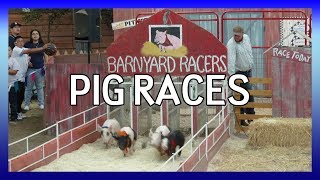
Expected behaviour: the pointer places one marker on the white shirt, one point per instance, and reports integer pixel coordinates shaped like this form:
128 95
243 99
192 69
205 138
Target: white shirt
13 65
23 60
240 56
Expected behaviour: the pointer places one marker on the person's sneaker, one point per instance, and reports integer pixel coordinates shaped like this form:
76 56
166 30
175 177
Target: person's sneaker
41 106
26 108
21 116
244 123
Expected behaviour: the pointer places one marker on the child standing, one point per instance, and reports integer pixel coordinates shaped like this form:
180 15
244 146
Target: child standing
13 68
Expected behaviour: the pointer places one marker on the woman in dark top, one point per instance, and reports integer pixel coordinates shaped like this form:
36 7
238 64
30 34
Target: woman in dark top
35 73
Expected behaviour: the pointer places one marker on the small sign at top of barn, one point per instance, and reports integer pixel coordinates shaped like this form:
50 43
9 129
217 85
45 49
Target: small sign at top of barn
166 43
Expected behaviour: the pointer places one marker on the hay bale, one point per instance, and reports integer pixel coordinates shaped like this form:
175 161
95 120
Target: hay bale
150 49
283 132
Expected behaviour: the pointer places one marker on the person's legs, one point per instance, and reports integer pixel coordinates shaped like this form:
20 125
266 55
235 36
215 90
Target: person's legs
246 86
39 85
243 110
28 90
20 96
251 98
13 104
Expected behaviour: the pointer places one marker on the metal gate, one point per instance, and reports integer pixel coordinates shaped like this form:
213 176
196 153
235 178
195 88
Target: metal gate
208 20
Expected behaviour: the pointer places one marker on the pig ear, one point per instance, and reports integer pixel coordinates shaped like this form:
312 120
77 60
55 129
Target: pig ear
165 32
99 128
157 31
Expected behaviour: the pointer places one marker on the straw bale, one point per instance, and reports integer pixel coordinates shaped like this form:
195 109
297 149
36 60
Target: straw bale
282 132
150 49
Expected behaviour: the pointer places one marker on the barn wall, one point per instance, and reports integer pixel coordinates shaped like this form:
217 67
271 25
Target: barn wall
57 91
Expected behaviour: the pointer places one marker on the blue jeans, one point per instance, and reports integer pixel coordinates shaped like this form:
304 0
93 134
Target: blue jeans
36 79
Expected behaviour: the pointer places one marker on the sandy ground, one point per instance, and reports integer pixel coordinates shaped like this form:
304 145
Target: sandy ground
235 155
96 157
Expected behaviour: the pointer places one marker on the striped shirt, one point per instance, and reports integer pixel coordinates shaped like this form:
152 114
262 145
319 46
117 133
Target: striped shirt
240 56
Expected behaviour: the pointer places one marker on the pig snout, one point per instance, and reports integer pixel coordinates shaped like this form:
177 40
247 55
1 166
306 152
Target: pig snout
122 145
126 150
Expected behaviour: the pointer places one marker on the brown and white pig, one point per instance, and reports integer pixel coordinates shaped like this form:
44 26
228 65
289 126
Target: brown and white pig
126 138
109 128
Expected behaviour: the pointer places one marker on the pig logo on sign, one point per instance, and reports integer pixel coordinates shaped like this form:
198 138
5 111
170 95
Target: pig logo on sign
166 41
166 37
